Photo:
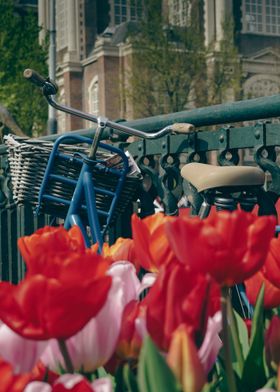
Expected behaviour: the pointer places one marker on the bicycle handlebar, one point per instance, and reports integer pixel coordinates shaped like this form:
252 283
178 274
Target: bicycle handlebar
50 88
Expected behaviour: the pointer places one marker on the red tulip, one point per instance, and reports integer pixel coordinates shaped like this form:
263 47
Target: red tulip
231 247
94 345
271 292
49 240
41 372
272 264
130 341
272 342
66 286
122 250
9 382
151 243
179 296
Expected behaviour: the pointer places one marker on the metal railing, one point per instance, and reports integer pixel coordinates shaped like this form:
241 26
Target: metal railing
159 161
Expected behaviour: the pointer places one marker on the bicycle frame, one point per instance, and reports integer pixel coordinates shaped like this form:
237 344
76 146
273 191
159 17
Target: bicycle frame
84 196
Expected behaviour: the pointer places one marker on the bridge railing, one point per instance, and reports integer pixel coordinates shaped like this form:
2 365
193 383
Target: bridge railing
160 162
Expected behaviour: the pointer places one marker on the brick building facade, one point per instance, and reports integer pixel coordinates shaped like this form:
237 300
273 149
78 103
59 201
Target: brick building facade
93 55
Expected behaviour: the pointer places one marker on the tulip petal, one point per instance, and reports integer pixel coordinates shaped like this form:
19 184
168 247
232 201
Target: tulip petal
271 292
184 361
21 353
46 305
151 244
266 390
102 385
69 381
147 281
95 343
212 343
37 386
234 244
127 273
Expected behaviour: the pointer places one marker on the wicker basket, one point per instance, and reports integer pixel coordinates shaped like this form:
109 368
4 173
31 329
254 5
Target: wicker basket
28 160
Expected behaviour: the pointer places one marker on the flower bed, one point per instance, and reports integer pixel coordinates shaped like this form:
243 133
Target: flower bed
152 314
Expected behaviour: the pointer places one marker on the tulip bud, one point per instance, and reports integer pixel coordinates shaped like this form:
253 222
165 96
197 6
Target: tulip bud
184 361
272 342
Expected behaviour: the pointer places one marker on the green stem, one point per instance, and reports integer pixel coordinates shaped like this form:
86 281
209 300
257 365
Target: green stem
226 342
65 354
235 338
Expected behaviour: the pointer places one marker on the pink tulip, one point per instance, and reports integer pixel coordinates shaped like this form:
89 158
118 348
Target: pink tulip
21 353
71 382
212 343
147 281
94 345
37 386
127 273
103 385
266 390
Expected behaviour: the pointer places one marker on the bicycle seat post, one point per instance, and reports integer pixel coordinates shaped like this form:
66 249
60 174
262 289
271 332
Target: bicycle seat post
101 125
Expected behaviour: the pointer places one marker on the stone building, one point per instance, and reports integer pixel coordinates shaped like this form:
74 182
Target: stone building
93 55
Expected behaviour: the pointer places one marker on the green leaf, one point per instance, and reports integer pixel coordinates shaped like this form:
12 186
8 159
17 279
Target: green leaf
210 387
242 333
129 379
218 377
237 330
20 49
119 379
258 315
154 375
253 376
271 383
101 372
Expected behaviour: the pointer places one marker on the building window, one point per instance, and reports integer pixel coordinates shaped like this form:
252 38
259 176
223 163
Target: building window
94 97
124 10
261 16
61 23
136 9
179 12
81 28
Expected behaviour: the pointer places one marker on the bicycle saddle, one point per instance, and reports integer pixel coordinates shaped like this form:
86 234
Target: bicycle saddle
203 176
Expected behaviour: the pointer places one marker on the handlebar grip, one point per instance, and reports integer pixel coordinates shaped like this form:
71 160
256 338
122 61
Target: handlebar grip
34 77
50 88
182 127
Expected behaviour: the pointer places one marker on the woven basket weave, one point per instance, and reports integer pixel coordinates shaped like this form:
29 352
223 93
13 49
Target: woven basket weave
28 160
